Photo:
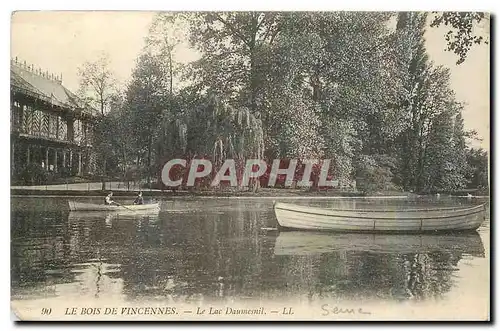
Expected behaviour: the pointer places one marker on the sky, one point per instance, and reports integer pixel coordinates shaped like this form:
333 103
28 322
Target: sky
60 42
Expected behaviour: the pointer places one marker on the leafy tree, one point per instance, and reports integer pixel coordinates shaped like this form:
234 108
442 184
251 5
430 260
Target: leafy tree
459 148
231 46
97 84
437 111
218 131
114 127
375 173
165 35
431 147
340 65
147 97
110 144
478 166
97 91
153 100
439 172
415 64
295 131
462 34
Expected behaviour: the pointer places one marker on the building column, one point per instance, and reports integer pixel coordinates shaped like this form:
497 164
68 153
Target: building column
70 162
64 158
27 154
55 160
47 158
80 164
88 162
12 160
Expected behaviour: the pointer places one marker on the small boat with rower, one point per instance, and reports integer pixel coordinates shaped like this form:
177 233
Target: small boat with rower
115 207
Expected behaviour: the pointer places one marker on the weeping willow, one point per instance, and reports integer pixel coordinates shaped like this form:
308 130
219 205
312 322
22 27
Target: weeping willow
213 129
238 135
170 137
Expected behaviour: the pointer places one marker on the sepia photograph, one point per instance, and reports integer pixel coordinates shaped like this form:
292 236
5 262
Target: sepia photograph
250 165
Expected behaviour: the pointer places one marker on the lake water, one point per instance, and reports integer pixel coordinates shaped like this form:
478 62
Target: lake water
204 252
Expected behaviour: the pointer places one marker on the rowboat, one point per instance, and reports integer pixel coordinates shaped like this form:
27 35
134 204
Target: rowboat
82 206
110 216
311 243
292 216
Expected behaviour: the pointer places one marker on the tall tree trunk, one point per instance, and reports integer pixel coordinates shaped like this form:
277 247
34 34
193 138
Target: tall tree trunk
253 74
125 173
150 142
103 178
101 101
253 86
316 84
171 70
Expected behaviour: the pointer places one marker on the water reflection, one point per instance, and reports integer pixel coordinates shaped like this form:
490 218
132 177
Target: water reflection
368 266
217 250
307 243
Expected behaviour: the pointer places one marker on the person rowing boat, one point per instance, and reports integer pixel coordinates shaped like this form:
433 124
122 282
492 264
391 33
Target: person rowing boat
108 200
139 200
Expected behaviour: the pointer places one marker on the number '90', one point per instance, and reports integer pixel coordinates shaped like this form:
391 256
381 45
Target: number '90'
46 311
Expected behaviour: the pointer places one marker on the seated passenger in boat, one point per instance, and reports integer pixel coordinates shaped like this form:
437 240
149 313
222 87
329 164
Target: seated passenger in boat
139 200
109 199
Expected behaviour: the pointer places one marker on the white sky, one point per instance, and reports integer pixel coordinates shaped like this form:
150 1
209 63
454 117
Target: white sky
62 42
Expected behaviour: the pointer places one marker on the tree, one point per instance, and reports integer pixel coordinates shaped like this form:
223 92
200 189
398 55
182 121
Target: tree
375 173
478 166
218 131
164 38
438 171
438 138
459 148
97 84
97 89
432 146
147 97
231 46
116 129
462 34
415 67
343 67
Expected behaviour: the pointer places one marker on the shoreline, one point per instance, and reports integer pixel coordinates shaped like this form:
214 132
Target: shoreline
263 194
226 197
188 194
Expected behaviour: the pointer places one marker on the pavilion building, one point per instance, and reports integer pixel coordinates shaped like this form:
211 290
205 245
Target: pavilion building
50 129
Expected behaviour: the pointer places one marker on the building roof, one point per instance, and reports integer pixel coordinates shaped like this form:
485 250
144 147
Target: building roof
42 85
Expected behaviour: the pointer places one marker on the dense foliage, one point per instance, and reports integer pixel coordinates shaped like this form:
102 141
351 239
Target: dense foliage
462 33
357 88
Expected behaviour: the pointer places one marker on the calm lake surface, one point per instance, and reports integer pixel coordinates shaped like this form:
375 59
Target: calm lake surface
209 250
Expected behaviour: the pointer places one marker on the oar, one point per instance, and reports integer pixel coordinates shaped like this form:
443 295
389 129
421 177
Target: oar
123 206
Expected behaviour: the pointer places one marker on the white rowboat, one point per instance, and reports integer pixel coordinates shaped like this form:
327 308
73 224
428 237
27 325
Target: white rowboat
292 216
82 206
